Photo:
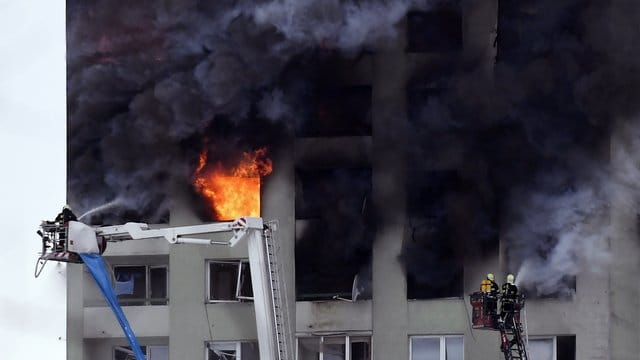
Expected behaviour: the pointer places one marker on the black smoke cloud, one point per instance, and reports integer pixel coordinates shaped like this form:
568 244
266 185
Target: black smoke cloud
149 81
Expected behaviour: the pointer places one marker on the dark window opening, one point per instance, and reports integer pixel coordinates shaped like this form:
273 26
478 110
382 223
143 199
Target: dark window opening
342 111
566 347
333 234
438 30
431 254
229 280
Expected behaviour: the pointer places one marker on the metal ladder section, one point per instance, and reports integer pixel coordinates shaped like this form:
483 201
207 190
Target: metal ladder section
278 294
511 330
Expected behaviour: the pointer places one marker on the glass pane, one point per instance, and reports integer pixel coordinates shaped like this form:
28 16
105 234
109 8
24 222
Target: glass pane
308 348
221 351
125 353
425 348
333 348
249 351
158 352
158 279
541 349
130 284
246 289
454 348
223 278
360 349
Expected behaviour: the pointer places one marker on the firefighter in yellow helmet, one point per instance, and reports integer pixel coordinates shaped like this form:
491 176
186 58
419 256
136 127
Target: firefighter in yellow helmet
490 288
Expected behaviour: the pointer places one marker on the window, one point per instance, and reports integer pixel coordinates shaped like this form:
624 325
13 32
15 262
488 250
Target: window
436 347
433 262
334 234
334 348
229 280
438 30
152 352
339 111
552 348
141 284
233 350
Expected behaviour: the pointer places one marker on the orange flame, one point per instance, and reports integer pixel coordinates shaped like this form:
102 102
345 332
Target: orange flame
235 192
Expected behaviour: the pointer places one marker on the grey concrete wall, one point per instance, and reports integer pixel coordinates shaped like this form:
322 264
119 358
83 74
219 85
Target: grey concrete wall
624 289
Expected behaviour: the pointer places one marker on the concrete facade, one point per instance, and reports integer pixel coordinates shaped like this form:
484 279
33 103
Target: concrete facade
603 315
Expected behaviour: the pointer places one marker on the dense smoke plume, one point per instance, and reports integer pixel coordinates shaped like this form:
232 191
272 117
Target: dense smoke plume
150 83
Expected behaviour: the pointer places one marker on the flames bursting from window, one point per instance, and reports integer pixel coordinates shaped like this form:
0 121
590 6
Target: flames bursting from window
233 192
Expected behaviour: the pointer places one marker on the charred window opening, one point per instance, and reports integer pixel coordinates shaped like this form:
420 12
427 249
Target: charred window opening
344 111
334 234
431 254
566 347
232 350
437 30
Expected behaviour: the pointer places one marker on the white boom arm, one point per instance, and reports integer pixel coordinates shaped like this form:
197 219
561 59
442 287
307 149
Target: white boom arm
274 340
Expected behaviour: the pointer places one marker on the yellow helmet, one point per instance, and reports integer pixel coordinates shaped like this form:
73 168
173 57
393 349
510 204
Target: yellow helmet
490 277
511 279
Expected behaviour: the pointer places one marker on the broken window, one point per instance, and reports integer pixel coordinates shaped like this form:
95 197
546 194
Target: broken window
344 111
333 234
334 348
233 350
431 254
152 352
229 280
436 30
436 347
141 284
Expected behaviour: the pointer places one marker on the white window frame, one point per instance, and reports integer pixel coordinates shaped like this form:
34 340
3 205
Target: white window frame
443 344
147 273
554 342
237 345
347 341
238 297
145 349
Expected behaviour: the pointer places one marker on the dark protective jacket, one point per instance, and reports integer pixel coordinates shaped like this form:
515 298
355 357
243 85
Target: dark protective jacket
65 216
509 291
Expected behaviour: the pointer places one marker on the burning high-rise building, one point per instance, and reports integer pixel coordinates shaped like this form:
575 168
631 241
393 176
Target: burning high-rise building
406 148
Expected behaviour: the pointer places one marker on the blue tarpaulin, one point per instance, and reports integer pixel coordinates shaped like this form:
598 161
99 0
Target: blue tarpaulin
96 266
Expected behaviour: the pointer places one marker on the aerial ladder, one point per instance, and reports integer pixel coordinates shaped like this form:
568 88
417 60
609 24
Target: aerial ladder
64 242
485 316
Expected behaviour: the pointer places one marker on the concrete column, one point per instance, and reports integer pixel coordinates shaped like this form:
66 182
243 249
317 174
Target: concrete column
390 338
624 340
75 311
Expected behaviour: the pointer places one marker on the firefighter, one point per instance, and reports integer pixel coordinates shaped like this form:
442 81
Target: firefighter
65 215
63 219
509 298
491 290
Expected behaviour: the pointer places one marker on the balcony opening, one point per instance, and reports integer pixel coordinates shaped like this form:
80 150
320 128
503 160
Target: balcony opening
334 234
432 253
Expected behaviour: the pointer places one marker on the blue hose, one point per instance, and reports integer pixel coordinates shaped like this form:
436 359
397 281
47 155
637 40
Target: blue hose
96 266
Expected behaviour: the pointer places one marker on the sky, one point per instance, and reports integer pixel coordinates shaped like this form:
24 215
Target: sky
33 158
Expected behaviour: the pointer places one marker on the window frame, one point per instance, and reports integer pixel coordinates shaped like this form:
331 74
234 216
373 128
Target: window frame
554 344
442 344
236 343
145 349
348 338
237 295
148 301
